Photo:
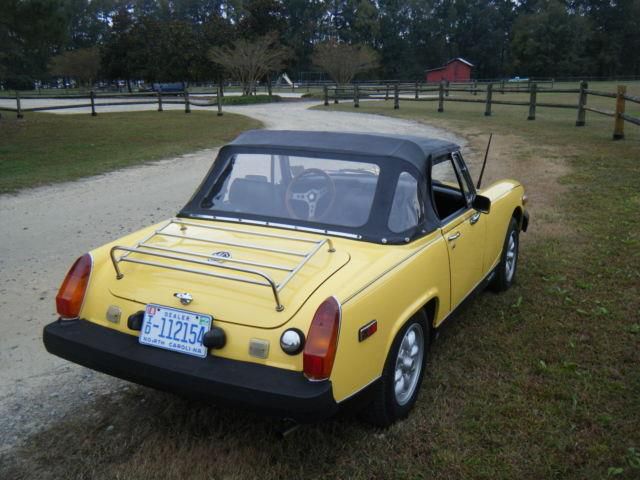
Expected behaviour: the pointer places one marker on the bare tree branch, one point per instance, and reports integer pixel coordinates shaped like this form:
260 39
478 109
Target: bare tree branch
249 60
342 61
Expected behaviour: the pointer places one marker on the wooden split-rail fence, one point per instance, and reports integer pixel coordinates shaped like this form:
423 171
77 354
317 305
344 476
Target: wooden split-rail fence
96 101
446 92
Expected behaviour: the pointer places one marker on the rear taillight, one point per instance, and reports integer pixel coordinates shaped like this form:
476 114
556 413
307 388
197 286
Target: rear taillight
71 294
322 340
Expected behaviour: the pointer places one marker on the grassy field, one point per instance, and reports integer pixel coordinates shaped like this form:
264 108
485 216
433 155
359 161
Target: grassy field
47 148
250 99
541 382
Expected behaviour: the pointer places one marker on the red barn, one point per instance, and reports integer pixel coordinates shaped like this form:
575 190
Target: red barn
456 70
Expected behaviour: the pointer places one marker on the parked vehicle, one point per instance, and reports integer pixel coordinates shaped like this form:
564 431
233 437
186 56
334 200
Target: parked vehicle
307 269
174 87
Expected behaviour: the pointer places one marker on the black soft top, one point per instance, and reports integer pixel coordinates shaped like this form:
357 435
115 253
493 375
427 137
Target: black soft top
415 150
393 153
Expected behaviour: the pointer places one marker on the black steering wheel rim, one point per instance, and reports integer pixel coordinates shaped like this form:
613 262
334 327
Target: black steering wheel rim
312 196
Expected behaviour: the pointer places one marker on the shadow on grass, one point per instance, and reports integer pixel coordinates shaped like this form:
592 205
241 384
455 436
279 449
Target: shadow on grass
143 433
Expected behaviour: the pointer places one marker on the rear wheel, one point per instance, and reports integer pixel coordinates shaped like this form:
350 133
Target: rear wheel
506 269
398 388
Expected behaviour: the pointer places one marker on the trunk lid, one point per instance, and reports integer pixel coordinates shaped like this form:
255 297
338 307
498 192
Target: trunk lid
296 263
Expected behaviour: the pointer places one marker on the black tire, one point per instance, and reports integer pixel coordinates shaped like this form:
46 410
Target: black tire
384 408
505 275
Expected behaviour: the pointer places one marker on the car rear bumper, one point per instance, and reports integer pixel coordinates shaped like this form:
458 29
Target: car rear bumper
271 390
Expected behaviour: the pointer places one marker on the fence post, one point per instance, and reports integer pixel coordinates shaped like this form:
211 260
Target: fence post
187 106
92 95
618 126
417 94
335 95
441 97
487 109
386 95
159 101
326 96
532 101
502 86
18 107
396 97
219 100
582 101
356 100
446 92
475 87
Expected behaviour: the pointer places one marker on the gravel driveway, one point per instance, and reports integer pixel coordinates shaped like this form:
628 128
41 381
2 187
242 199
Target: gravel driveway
45 229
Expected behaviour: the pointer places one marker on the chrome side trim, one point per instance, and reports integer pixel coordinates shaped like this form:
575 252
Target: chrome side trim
367 285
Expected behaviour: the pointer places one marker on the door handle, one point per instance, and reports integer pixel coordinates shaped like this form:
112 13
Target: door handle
474 218
453 237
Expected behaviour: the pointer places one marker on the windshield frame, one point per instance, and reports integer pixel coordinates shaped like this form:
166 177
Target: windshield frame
374 230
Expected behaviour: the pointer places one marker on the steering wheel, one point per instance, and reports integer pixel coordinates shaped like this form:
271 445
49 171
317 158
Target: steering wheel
311 196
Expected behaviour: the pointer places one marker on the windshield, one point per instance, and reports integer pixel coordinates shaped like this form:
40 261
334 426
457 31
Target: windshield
328 191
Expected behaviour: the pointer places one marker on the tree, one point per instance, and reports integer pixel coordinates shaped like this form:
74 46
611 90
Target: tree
118 54
262 17
82 64
164 50
30 33
250 60
549 42
342 61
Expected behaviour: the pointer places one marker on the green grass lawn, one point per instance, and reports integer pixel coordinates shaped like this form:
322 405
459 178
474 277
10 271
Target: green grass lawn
46 148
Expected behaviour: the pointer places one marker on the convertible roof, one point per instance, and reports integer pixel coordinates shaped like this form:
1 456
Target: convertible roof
410 148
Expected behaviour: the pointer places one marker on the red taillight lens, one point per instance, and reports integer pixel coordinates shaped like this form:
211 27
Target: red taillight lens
71 293
322 340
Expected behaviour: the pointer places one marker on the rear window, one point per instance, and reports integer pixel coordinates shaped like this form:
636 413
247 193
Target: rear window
283 187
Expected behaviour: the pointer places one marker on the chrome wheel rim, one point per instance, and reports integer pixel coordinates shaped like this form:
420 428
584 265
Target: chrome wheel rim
408 364
512 256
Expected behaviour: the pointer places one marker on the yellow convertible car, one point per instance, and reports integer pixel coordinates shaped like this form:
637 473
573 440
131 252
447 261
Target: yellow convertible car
308 269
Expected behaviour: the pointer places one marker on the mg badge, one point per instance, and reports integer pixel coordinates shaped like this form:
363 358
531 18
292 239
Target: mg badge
220 256
185 298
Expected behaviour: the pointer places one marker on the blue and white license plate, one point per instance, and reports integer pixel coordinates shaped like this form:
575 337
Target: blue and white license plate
175 329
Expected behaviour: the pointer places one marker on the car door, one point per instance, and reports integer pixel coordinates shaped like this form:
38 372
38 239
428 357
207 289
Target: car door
462 227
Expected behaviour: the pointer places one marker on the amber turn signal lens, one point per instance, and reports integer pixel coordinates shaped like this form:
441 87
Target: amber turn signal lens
71 294
322 340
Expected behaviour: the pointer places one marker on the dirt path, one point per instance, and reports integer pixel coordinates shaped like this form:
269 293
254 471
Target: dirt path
45 229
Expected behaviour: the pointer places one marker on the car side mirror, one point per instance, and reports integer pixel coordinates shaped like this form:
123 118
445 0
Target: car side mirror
481 204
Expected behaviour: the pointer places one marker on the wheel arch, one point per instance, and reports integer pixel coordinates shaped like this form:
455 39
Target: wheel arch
518 214
427 306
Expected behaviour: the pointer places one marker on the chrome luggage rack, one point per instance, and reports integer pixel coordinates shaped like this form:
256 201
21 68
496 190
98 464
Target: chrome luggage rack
217 261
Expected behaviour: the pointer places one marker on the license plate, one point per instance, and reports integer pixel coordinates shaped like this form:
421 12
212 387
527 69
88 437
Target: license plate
174 329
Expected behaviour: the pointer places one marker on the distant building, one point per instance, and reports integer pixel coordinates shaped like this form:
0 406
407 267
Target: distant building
456 70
